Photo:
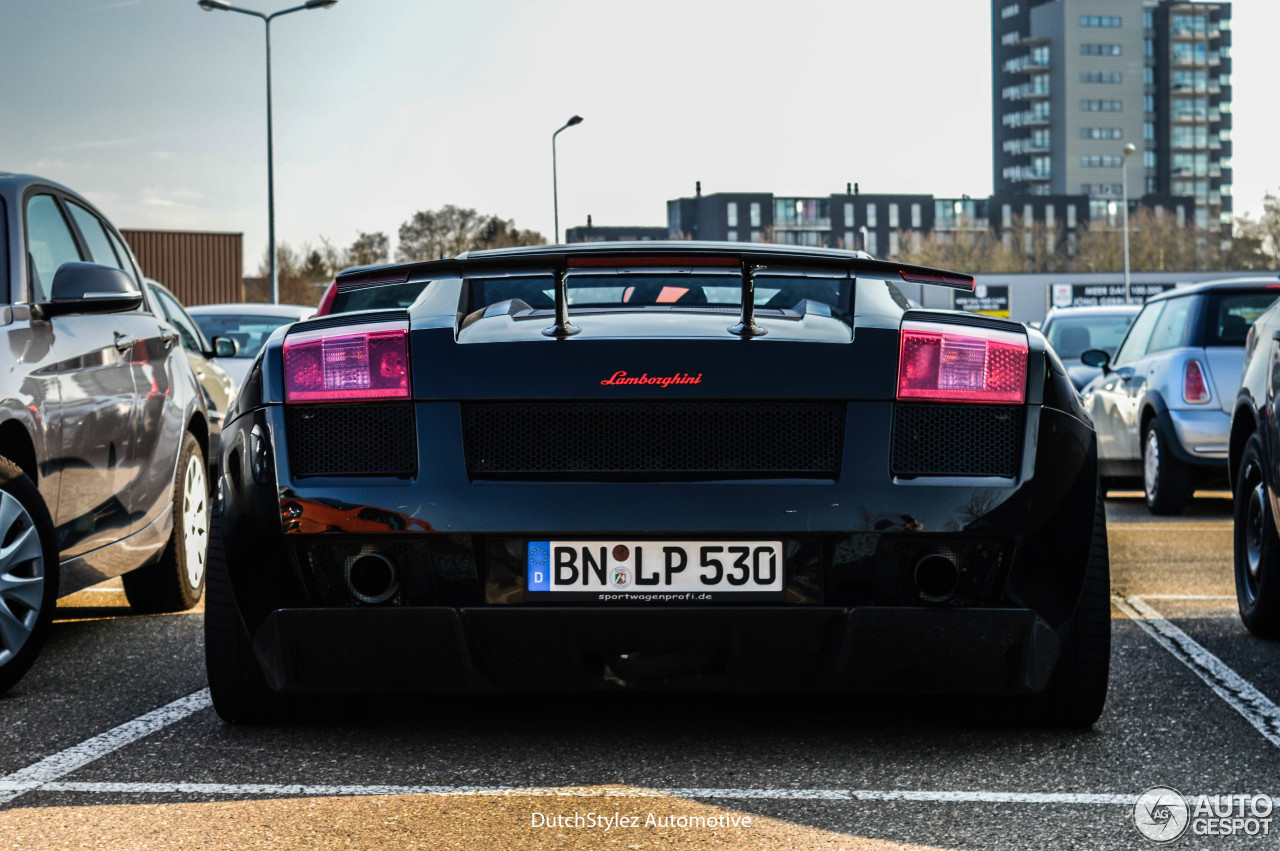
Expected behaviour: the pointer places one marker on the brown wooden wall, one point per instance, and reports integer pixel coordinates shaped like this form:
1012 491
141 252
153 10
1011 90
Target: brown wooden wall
200 268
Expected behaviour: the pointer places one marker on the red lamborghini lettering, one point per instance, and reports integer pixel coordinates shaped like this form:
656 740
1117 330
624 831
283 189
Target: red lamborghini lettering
621 377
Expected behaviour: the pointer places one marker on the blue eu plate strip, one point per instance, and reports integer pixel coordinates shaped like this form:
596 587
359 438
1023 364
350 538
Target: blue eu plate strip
538 569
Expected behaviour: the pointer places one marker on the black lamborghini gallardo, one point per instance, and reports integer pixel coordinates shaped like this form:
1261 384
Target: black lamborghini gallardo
657 465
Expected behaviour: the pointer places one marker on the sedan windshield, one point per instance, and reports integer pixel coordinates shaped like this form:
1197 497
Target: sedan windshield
249 331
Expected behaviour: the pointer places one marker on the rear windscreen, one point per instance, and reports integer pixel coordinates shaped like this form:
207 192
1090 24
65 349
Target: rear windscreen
646 290
377 297
1231 314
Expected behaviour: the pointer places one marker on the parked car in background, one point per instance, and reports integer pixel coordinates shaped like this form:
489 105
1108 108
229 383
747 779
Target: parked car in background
103 428
1162 406
1254 448
205 358
670 465
1072 331
248 325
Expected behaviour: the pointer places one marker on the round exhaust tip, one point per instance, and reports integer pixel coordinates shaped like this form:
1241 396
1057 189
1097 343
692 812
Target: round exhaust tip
936 578
371 578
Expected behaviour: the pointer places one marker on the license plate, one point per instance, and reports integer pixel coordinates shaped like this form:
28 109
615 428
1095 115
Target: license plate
655 570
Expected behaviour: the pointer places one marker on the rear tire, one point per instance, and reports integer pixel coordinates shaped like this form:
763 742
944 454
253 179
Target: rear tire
1078 689
28 573
1256 546
236 683
1166 481
176 581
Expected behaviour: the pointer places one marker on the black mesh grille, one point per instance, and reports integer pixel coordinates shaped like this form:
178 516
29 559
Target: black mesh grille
956 440
375 438
733 439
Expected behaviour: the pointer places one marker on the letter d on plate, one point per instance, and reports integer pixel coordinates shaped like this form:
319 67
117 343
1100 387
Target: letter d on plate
538 567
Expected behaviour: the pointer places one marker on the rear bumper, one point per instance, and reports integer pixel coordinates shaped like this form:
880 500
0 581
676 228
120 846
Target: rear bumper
521 648
1203 435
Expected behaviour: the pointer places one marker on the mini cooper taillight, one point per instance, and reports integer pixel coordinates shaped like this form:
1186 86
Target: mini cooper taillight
1194 388
952 363
341 364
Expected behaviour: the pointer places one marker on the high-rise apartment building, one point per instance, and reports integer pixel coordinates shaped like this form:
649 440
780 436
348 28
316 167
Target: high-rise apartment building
1075 81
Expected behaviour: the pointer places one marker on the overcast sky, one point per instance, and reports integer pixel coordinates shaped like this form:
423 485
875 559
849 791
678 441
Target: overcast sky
155 109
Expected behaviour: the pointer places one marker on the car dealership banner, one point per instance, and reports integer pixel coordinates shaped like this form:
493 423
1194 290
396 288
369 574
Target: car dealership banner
1092 295
990 300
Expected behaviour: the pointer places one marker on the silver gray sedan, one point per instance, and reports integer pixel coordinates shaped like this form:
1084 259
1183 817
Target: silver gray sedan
1162 405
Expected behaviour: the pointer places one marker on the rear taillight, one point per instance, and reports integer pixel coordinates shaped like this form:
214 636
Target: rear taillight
947 363
1194 388
340 364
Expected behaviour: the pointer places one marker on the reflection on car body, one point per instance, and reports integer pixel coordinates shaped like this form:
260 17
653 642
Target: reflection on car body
103 429
1253 448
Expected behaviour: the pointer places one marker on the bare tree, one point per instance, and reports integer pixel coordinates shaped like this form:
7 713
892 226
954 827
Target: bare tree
496 232
451 230
1270 227
302 275
369 249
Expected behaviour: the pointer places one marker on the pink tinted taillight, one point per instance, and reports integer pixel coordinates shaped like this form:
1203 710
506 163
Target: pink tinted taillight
1194 388
949 363
340 364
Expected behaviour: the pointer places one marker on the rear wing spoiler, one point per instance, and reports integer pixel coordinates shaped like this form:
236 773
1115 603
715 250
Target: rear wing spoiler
859 267
750 261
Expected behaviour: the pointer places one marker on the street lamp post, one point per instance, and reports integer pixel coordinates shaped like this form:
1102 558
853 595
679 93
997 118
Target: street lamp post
865 241
555 187
1124 212
223 6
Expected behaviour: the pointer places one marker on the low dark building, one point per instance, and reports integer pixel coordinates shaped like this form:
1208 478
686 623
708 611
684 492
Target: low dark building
887 225
722 217
199 268
613 233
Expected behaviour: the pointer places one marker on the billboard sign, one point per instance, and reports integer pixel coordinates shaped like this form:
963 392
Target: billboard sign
1093 295
990 300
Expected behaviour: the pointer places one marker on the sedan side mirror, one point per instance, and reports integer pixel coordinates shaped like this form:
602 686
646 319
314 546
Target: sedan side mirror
1097 358
225 347
89 288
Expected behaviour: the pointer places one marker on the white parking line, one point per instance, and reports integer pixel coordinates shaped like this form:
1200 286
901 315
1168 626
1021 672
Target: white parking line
1186 597
44 775
64 762
314 790
1254 706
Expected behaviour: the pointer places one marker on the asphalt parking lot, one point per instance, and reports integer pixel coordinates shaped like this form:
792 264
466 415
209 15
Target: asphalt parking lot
110 742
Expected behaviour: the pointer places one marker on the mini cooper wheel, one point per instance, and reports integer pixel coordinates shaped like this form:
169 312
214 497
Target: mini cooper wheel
1257 546
28 573
1165 481
176 581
